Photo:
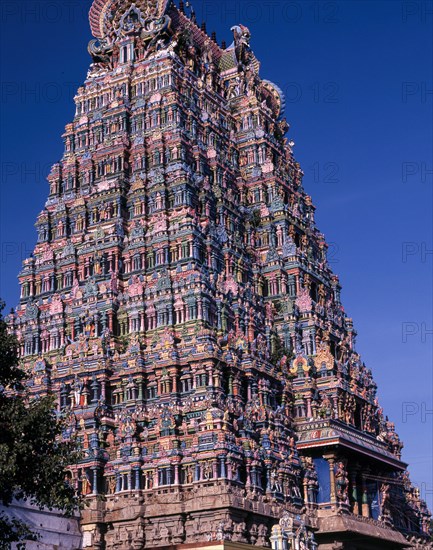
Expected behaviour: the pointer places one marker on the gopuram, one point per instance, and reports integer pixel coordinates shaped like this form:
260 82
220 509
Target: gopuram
180 305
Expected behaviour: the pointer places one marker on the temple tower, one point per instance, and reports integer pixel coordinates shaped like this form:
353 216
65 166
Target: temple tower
180 305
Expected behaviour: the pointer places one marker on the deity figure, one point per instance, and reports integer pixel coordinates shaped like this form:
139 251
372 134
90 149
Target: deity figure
189 474
286 522
226 419
67 479
220 531
325 410
77 387
242 37
86 485
263 534
312 481
206 470
275 482
393 438
234 470
111 485
148 480
89 326
341 482
384 500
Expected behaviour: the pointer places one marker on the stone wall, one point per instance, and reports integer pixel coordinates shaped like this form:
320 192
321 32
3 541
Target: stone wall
56 531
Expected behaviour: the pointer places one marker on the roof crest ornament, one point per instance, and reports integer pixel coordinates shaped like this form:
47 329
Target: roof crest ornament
105 15
112 21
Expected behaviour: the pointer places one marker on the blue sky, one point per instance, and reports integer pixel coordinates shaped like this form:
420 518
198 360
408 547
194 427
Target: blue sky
357 78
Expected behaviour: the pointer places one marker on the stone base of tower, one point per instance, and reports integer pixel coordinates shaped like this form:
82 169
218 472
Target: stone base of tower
348 532
168 518
211 546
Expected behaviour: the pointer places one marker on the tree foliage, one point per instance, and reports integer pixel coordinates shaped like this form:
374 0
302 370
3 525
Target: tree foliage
33 456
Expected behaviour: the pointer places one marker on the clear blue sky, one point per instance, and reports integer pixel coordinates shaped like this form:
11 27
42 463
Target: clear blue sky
357 76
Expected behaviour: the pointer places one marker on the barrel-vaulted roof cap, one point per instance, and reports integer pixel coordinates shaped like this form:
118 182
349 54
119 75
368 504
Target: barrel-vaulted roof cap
101 9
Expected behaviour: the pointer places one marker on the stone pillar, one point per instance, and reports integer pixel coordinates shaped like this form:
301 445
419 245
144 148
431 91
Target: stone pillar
110 321
95 480
129 477
250 330
95 389
103 390
365 505
219 317
278 539
249 391
268 476
353 480
209 372
309 411
248 467
254 476
331 461
313 340
173 374
223 466
96 320
305 485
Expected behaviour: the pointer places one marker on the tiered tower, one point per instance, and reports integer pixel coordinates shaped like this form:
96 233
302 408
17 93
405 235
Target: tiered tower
180 304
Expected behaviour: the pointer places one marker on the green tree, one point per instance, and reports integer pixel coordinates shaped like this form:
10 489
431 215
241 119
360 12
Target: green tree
33 456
